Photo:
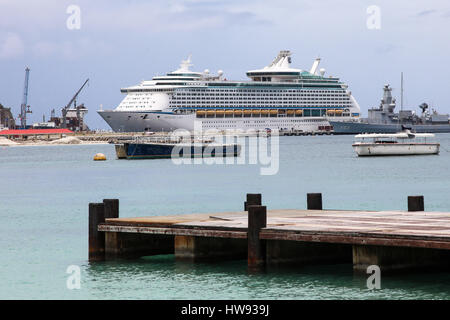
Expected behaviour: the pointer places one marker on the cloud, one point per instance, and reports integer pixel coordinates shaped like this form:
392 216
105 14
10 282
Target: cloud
68 49
386 48
446 15
44 48
425 13
11 46
162 16
31 15
156 16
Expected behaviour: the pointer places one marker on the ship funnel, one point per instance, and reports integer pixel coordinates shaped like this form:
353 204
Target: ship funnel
315 66
284 55
185 64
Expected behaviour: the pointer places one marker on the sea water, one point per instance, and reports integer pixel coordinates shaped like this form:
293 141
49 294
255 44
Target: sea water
45 192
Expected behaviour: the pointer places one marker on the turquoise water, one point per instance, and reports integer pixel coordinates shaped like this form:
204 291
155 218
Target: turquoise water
45 191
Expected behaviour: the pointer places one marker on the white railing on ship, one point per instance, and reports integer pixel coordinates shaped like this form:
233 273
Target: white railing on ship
176 139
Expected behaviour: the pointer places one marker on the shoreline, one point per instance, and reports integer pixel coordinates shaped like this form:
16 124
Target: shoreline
42 144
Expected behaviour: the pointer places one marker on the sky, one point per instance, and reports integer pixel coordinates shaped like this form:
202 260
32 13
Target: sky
119 43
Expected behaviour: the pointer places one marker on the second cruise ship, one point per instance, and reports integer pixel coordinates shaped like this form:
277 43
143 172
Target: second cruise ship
275 97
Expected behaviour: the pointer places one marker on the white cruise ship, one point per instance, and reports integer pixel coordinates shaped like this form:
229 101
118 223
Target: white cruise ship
275 97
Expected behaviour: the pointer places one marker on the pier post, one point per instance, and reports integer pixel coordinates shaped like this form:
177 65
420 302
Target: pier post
257 219
111 208
314 201
96 238
416 203
253 199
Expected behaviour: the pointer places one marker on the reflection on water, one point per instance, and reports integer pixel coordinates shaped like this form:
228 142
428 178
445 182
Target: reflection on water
161 277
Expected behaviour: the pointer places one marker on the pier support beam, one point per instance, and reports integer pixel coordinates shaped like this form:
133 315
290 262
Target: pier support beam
298 253
253 199
314 201
416 203
391 259
257 219
194 249
120 245
96 238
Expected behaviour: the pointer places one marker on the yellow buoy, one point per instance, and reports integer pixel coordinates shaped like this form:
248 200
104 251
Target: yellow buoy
99 157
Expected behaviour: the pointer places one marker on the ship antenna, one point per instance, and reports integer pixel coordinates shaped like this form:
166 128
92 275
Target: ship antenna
401 92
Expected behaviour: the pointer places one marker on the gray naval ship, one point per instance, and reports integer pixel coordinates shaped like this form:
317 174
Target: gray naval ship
384 120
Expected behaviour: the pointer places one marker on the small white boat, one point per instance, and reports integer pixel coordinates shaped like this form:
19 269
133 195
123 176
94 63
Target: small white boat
396 144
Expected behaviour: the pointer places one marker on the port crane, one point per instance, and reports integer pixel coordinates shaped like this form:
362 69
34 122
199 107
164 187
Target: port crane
74 101
24 108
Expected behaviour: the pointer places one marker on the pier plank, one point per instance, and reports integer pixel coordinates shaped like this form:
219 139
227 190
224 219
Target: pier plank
393 228
174 231
165 220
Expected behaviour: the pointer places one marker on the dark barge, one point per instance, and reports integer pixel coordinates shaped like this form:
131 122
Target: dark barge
167 148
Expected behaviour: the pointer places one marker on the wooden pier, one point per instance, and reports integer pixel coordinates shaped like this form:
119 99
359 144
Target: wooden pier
393 240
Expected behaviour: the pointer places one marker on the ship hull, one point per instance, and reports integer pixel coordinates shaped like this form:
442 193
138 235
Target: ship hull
121 121
403 149
359 127
165 151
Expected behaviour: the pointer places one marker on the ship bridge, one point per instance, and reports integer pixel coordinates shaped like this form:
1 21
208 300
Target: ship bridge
280 70
183 73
